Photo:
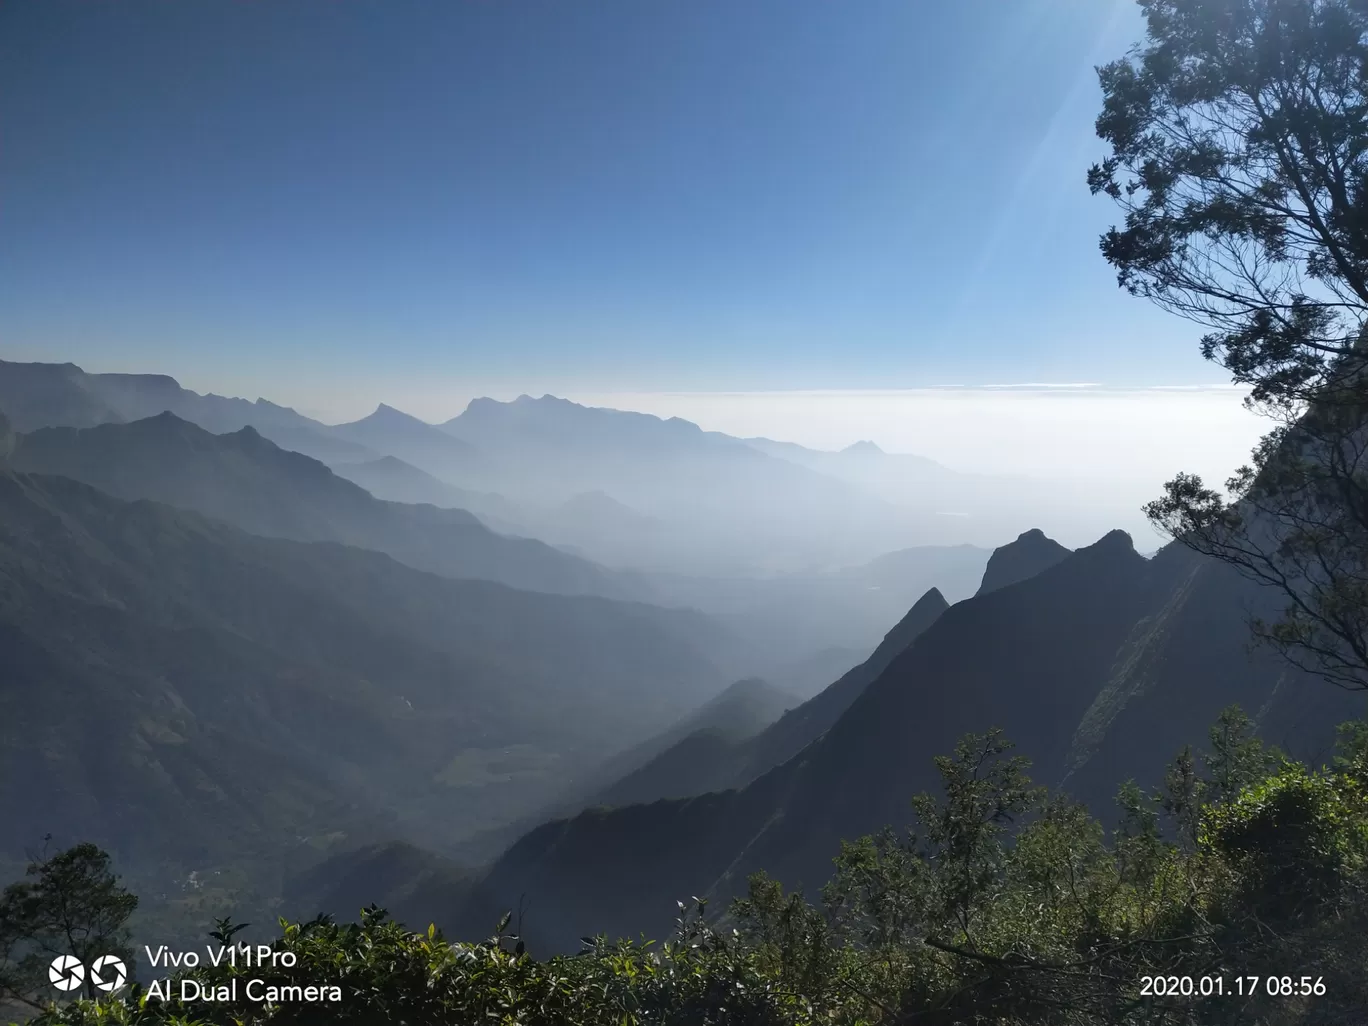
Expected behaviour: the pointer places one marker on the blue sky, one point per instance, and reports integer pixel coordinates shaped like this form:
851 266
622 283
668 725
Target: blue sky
334 202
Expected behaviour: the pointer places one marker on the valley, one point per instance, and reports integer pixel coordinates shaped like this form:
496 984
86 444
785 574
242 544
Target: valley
329 692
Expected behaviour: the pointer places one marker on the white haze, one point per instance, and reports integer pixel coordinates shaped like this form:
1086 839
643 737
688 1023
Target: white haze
1094 453
1109 448
1038 430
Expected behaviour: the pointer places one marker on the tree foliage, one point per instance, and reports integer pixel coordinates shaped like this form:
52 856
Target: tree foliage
70 904
1239 155
1003 904
1239 138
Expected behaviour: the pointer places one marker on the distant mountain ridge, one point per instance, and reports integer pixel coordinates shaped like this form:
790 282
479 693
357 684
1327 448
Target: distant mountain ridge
740 506
855 460
396 433
725 505
180 691
250 482
752 539
38 395
389 477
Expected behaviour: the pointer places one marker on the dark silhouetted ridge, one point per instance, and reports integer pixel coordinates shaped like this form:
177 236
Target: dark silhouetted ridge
1100 667
1031 553
723 746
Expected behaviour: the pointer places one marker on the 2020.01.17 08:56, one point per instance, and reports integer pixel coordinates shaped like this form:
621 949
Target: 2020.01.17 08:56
1232 986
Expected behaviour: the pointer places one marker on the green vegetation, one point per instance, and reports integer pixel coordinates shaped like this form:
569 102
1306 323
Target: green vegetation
72 904
1239 155
1237 892
1241 880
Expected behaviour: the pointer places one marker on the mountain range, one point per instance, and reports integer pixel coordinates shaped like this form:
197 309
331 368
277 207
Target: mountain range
396 433
1100 666
230 648
250 482
734 559
38 395
694 501
187 694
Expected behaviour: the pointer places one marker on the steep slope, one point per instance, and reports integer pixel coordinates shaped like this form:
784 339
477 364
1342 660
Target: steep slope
803 725
396 433
698 754
702 761
391 478
186 693
248 481
1031 553
710 758
1099 667
416 887
707 753
38 395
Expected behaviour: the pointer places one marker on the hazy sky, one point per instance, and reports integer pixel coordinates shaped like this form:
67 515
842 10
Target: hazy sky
749 213
335 202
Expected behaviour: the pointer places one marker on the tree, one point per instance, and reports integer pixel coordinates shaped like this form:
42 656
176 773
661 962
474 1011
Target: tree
1239 154
986 791
72 904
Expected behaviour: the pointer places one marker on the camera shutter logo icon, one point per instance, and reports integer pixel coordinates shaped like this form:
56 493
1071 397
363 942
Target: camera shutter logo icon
66 972
108 973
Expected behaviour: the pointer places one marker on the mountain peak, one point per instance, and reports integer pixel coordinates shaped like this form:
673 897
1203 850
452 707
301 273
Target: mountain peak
386 416
932 599
924 612
161 425
1115 540
249 434
1031 553
864 447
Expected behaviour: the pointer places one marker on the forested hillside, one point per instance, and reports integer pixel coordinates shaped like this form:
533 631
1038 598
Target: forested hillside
682 724
1188 912
183 692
